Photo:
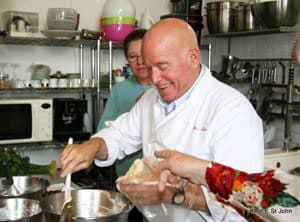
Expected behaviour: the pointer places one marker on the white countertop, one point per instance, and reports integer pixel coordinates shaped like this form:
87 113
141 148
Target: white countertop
280 159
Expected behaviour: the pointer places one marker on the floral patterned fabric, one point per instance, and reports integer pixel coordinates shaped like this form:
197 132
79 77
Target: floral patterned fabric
253 191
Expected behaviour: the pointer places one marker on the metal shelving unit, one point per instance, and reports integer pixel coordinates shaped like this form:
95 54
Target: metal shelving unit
288 87
97 94
261 31
95 47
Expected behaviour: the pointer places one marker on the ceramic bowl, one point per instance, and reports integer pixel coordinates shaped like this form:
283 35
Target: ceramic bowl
117 32
118 8
118 20
62 19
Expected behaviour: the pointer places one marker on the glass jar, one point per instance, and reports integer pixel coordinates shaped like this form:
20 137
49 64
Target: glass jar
4 82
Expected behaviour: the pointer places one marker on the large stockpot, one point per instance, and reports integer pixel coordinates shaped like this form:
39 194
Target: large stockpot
222 17
20 210
245 19
90 205
276 13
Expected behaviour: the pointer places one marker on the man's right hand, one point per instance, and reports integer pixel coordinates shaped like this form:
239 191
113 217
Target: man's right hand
76 157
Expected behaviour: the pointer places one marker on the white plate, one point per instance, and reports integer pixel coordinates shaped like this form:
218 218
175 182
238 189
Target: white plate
60 34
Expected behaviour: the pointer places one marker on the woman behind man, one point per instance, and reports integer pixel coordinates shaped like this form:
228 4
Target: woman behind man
124 95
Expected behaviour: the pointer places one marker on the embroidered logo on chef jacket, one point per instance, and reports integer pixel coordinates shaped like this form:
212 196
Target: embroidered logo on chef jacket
202 128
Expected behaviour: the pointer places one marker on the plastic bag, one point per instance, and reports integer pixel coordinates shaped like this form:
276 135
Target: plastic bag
142 190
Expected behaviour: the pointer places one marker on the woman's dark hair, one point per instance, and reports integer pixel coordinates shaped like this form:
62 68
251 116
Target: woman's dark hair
132 36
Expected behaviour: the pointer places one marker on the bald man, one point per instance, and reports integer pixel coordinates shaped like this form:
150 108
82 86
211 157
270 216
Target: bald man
189 111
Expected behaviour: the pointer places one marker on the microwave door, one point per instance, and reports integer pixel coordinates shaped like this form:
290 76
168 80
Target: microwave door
16 121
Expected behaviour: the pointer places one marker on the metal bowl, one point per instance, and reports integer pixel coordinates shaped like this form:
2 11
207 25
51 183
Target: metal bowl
32 187
20 210
273 14
90 205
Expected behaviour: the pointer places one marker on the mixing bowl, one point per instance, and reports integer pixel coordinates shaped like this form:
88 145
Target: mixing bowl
118 8
117 32
90 205
62 19
116 28
20 210
32 187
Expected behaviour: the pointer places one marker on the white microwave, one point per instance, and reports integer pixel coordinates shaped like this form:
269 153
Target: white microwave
25 120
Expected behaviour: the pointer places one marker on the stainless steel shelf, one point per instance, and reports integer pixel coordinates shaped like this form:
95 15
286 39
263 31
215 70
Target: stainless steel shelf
41 92
46 42
54 42
47 90
255 32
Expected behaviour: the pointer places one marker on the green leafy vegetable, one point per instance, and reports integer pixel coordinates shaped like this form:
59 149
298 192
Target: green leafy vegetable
21 166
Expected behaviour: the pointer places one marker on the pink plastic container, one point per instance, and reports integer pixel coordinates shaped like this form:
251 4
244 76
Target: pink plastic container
117 32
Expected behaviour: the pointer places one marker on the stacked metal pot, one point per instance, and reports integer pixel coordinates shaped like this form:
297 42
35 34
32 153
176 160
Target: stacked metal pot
234 16
20 196
26 199
221 17
276 13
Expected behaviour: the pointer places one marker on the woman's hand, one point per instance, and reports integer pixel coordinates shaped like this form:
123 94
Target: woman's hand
180 164
143 189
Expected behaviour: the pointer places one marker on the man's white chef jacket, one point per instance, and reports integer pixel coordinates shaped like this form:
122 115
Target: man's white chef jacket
215 123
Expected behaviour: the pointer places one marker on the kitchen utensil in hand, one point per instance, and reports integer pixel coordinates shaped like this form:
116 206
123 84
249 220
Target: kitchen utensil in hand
68 207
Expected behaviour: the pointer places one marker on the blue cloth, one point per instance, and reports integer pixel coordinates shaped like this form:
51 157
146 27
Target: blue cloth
120 100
